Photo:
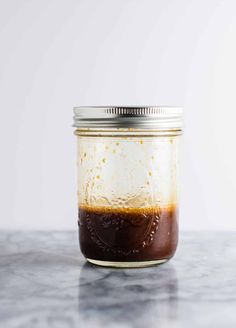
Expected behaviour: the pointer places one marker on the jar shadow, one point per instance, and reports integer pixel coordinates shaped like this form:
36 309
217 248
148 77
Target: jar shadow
132 297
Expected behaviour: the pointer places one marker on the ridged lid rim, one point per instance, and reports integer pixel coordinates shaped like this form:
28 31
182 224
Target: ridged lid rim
144 117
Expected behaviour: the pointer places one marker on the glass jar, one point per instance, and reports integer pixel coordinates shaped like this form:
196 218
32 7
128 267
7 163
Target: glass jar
128 184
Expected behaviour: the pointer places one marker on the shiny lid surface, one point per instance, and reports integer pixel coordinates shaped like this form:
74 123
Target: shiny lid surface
142 117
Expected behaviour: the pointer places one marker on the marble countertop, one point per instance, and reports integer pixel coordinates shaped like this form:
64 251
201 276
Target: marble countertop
45 282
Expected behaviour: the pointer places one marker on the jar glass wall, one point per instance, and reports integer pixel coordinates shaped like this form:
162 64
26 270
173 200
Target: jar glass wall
127 195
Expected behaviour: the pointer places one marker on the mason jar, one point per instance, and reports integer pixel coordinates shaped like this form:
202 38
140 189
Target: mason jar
128 184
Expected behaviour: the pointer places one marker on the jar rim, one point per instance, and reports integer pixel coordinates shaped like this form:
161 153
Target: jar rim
143 117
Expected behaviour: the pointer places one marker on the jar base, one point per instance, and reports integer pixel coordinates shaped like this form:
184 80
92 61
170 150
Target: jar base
138 264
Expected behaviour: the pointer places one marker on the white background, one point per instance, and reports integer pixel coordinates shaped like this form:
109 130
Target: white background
56 54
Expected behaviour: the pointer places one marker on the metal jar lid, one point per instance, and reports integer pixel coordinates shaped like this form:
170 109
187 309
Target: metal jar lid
143 117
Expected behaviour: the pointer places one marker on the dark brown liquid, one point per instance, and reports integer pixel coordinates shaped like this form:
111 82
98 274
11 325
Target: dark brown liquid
123 235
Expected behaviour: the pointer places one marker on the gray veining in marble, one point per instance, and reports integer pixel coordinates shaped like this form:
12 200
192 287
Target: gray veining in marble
45 282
